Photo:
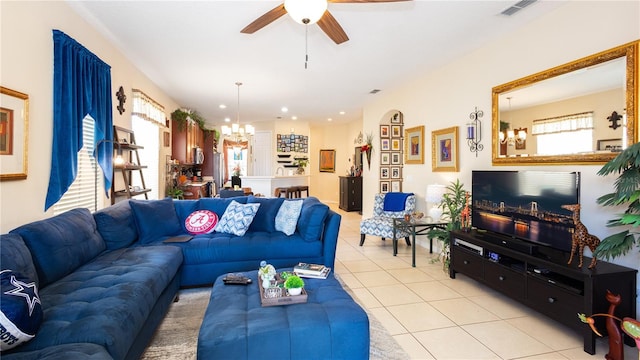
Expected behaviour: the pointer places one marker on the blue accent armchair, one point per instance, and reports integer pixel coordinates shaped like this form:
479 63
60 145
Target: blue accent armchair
381 224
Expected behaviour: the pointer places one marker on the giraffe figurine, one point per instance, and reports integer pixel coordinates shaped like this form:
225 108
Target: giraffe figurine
581 237
465 214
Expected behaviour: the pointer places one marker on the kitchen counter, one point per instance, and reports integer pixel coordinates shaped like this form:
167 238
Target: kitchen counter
266 185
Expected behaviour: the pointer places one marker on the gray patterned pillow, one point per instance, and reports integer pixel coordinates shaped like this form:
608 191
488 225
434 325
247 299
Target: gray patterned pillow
237 218
287 217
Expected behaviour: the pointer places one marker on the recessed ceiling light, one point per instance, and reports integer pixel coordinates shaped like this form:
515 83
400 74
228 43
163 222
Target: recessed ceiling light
329 119
227 119
222 106
342 113
284 109
294 118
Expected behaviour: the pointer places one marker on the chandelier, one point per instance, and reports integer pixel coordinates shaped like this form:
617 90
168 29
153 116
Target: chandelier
235 132
509 136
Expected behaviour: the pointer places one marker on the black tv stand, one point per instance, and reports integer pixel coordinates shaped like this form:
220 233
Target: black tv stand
541 279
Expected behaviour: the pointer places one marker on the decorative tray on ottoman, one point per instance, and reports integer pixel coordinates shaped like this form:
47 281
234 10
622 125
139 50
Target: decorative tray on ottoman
277 295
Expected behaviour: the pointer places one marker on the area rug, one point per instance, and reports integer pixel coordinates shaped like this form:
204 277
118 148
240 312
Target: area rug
177 336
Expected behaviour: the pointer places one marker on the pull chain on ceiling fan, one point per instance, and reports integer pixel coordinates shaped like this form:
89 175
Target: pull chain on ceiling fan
308 12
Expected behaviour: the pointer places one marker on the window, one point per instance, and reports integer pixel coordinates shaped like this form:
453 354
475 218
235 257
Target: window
147 115
567 134
83 192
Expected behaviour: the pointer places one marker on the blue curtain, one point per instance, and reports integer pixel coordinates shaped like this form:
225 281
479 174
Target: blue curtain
81 87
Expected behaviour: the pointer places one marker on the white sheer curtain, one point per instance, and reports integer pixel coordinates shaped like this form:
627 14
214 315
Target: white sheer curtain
148 109
567 134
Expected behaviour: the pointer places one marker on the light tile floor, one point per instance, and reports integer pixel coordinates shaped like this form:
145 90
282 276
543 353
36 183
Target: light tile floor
434 317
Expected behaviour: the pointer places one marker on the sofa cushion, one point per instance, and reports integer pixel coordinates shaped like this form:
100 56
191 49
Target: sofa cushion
62 243
219 205
20 309
15 255
237 218
266 216
311 221
287 217
117 225
155 219
183 209
108 300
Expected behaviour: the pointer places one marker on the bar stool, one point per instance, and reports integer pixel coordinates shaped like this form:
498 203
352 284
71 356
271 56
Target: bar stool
302 188
280 191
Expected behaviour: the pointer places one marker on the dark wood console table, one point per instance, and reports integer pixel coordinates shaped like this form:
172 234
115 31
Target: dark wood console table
542 280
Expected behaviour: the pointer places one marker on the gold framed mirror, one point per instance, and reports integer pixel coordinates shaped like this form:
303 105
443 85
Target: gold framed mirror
582 112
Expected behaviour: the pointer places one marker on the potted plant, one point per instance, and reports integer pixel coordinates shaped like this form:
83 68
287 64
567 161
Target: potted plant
294 285
301 163
627 192
453 202
181 116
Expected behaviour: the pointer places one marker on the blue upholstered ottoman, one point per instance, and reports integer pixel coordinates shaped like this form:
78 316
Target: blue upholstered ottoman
330 325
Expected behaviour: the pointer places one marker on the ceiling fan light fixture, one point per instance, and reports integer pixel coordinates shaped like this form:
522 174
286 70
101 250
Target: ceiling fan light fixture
306 11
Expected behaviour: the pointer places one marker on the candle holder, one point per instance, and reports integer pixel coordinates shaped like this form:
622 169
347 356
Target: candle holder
474 131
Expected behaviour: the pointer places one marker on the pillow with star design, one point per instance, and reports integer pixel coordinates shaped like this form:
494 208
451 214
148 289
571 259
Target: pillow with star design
20 309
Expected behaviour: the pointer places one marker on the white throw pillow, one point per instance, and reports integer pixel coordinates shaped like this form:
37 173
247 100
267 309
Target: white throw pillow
237 218
287 217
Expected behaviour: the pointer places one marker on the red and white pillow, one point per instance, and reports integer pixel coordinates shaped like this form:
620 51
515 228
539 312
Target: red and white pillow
201 222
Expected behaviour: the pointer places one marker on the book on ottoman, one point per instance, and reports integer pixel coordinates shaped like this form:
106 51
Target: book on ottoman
314 271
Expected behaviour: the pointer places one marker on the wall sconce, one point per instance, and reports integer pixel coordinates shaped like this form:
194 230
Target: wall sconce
474 131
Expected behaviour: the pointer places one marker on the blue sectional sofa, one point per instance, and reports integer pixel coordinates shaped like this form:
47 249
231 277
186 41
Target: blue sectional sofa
106 279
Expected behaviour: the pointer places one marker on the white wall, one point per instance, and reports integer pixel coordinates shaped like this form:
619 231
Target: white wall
445 97
26 65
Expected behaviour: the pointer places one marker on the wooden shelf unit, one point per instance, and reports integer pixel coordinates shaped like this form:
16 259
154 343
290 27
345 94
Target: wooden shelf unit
125 140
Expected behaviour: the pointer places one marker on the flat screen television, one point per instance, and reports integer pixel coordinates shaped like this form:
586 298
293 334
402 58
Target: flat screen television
526 205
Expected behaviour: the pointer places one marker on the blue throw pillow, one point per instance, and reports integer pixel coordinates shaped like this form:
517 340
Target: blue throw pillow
20 309
116 225
311 221
237 218
155 219
287 217
266 216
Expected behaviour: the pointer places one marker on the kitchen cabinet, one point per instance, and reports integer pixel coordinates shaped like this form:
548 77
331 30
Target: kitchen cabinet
184 140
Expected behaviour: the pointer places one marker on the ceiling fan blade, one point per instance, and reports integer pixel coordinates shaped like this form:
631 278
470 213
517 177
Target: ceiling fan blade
264 20
330 26
364 1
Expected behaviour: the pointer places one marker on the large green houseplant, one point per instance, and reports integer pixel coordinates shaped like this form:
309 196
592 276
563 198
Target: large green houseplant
627 192
453 201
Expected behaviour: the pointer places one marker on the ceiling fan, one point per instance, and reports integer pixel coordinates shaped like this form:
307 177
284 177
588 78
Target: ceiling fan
308 12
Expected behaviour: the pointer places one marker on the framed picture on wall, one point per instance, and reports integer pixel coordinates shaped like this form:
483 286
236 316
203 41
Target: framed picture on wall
414 143
396 131
396 144
444 149
384 187
396 186
384 172
395 158
396 172
385 158
327 160
396 118
385 144
384 131
14 134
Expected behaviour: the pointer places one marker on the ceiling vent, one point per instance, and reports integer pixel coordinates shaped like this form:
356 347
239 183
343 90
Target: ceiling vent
517 7
374 91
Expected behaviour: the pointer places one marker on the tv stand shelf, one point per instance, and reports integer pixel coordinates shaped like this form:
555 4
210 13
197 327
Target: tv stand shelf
541 279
